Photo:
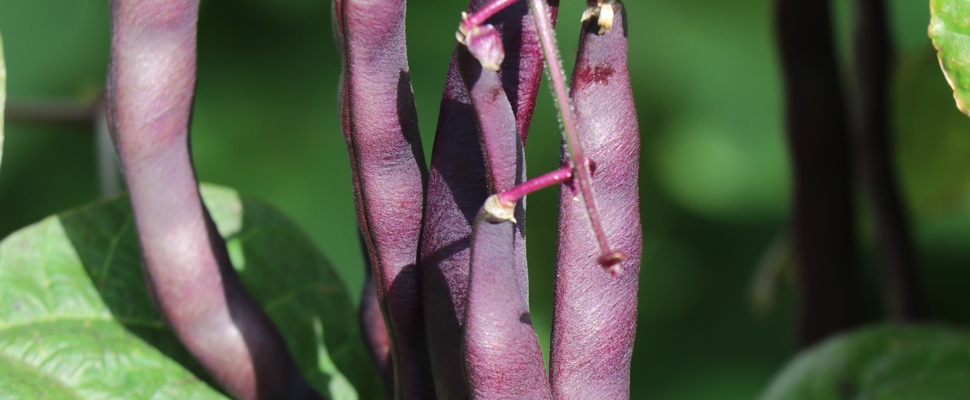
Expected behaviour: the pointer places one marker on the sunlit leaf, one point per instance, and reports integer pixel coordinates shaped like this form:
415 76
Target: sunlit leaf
75 314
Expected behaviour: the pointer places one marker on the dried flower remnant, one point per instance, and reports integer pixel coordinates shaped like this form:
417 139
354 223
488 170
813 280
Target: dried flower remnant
603 12
485 43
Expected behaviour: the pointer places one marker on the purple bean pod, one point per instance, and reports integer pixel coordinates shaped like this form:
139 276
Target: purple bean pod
595 313
374 331
502 355
502 149
872 61
823 209
151 84
457 188
381 131
501 350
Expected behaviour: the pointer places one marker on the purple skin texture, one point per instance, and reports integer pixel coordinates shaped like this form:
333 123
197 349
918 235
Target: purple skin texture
501 349
502 149
457 188
502 355
151 84
381 131
595 313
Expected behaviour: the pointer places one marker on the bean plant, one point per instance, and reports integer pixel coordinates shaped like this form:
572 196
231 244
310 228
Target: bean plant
444 311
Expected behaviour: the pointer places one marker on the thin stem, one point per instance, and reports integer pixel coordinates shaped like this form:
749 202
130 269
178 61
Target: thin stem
501 206
484 13
513 195
109 173
540 12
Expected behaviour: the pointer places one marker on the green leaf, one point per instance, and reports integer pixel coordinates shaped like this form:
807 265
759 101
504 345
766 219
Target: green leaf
884 363
59 338
950 31
76 320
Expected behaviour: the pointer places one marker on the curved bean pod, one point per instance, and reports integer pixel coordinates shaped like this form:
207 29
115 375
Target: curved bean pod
380 127
595 313
823 209
457 188
502 355
151 84
501 349
872 63
374 331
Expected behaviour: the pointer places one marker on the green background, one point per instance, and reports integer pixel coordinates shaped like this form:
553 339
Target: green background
714 176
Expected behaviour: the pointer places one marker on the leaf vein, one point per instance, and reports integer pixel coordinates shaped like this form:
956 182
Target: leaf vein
63 385
112 249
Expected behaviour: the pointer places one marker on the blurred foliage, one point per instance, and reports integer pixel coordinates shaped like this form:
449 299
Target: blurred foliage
884 362
3 94
714 175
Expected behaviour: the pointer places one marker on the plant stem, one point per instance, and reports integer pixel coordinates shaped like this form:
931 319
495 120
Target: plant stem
484 13
501 206
512 196
109 172
540 13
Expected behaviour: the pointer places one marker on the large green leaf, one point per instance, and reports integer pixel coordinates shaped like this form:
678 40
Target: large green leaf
883 363
75 315
950 31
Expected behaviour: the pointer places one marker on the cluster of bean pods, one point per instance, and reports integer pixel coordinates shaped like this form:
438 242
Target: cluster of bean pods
445 307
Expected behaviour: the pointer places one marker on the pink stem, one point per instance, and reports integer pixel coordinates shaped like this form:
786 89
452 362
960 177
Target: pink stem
485 13
513 195
540 13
